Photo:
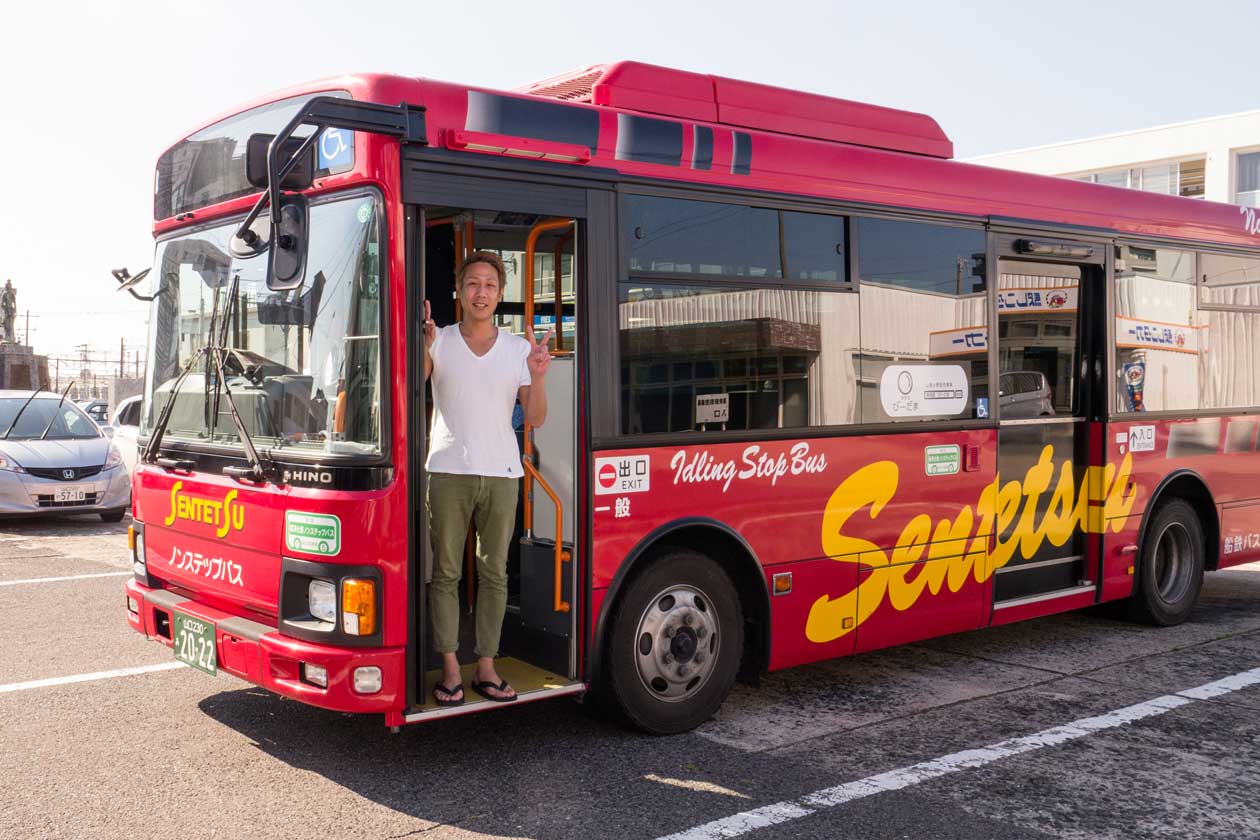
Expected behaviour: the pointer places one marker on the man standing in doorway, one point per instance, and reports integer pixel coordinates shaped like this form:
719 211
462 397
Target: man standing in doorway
479 372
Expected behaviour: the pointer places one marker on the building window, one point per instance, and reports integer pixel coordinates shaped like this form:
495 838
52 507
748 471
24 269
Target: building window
1185 178
1248 191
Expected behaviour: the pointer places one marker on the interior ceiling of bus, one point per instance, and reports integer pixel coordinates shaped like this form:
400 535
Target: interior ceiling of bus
502 230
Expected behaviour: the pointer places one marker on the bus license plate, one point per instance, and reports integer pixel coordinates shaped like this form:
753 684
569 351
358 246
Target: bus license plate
72 493
194 642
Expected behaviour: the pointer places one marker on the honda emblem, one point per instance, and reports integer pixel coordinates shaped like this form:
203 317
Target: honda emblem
67 473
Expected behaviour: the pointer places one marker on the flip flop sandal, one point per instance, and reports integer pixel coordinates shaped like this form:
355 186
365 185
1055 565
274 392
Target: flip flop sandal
444 696
480 687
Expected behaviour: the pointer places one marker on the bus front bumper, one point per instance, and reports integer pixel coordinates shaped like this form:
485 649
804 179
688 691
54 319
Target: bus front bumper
261 655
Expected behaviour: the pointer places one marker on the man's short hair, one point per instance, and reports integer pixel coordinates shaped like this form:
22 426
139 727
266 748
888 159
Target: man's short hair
489 258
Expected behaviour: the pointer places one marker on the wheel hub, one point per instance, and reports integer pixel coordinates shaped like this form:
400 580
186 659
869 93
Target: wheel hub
683 645
677 643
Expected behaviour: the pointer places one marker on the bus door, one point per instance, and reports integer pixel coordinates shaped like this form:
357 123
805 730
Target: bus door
1051 352
539 232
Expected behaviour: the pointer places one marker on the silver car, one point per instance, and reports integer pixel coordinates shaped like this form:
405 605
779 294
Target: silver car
1025 394
54 459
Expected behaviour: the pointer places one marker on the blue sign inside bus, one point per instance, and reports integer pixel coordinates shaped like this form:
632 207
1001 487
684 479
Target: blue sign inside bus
336 150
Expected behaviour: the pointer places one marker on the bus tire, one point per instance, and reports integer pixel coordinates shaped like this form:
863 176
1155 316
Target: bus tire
676 641
1170 568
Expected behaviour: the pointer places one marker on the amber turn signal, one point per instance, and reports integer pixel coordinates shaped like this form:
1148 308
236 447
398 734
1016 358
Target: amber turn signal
358 606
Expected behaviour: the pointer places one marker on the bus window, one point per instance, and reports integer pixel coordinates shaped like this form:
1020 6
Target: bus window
1157 330
924 320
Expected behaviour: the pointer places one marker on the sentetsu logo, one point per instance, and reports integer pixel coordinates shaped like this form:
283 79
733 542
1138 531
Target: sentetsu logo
1251 221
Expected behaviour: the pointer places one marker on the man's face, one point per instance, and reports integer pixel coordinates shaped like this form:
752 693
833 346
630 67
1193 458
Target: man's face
480 292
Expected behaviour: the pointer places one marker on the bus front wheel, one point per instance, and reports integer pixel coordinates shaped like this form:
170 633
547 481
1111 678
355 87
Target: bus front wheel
1170 571
677 639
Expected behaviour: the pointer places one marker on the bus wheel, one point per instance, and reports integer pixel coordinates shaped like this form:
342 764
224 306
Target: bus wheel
1170 573
677 639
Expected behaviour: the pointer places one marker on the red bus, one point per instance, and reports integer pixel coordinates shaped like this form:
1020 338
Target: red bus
816 388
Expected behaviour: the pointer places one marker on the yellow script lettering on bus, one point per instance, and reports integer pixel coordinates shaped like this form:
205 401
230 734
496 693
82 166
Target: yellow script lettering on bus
225 516
948 564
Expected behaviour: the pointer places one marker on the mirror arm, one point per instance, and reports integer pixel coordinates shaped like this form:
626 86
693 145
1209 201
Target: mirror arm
277 171
403 121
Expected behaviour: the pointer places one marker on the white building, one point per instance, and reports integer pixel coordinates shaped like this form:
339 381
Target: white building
1217 158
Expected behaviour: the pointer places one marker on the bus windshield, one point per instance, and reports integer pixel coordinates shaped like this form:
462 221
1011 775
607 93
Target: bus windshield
303 366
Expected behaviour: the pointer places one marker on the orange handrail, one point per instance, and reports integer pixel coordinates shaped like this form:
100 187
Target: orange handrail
560 605
531 472
531 244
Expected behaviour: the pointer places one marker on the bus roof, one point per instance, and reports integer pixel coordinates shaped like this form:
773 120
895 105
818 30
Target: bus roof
652 122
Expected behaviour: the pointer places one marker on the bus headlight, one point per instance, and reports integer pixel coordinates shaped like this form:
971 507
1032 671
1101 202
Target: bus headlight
358 606
321 599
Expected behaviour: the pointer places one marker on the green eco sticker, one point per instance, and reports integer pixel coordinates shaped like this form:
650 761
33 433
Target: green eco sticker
941 460
312 533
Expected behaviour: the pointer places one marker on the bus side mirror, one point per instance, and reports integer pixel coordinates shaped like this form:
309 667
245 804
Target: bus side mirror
286 258
301 176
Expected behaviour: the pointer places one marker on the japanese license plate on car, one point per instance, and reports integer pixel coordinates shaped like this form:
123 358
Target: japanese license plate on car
70 493
194 642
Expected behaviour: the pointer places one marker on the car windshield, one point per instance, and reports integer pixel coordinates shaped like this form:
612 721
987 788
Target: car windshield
68 420
303 365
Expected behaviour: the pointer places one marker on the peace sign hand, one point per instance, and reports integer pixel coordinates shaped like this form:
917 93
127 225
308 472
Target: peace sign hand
540 354
430 328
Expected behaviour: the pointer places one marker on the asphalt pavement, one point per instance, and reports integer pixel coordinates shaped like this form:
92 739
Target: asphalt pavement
1068 727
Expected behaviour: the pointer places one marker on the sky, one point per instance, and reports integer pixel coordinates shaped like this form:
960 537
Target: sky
96 91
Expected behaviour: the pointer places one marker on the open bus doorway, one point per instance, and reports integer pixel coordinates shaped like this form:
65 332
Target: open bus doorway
537 653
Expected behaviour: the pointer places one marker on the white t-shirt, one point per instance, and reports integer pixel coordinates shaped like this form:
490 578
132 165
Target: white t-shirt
473 397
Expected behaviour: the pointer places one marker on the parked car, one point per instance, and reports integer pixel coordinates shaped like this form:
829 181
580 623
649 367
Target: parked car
98 410
54 459
1024 393
124 428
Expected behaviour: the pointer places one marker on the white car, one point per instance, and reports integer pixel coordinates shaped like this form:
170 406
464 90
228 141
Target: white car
125 425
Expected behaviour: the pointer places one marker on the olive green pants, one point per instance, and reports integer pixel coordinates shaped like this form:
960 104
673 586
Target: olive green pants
489 503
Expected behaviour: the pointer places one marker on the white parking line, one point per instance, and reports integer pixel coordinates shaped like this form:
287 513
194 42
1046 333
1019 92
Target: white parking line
98 675
781 812
67 577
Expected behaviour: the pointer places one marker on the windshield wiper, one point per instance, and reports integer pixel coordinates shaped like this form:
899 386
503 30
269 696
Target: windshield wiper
48 428
257 471
164 417
17 416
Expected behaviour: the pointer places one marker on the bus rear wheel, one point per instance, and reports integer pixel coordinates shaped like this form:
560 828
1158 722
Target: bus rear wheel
1170 571
677 638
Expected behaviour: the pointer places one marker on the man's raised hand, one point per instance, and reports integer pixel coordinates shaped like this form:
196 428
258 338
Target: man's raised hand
539 354
430 328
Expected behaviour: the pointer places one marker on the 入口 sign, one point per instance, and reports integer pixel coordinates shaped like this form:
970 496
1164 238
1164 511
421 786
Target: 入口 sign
713 408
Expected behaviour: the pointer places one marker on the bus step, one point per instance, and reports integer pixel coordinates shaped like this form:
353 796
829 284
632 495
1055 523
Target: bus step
538 588
529 681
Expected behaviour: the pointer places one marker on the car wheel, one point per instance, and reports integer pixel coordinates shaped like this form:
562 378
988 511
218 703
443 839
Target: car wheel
1170 570
676 641
113 515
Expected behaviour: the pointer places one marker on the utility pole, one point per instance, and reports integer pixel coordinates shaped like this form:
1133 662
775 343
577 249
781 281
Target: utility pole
122 355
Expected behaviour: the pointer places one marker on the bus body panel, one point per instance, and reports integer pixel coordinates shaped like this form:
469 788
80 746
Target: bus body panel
233 560
865 531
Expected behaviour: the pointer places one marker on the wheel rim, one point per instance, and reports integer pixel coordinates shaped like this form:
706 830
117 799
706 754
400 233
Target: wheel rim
1174 563
677 643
